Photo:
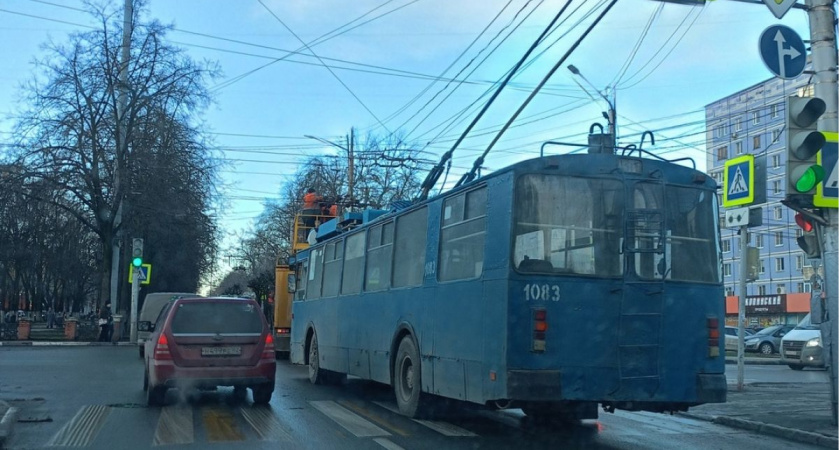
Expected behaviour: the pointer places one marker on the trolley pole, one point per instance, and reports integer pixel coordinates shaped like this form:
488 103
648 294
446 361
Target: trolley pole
824 60
742 305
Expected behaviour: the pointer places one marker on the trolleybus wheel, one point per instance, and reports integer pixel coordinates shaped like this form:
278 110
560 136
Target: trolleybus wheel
316 375
407 385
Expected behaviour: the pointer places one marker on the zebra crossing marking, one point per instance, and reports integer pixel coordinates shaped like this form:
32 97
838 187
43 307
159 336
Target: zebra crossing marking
83 428
220 425
175 426
350 421
444 428
265 424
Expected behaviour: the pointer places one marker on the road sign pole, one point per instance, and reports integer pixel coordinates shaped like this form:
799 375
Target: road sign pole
742 305
135 293
824 60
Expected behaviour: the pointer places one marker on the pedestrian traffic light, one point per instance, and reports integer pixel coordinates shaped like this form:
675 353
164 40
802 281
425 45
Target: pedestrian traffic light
137 252
803 142
809 241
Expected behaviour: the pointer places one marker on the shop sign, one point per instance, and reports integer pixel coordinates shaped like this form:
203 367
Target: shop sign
766 304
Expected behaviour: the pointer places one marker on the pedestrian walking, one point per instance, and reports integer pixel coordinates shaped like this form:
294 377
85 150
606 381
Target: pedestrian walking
105 319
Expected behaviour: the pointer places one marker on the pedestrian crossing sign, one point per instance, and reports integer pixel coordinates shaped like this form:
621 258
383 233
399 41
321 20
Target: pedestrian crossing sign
739 181
145 273
827 158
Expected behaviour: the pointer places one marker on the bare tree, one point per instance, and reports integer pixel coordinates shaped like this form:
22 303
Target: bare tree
70 136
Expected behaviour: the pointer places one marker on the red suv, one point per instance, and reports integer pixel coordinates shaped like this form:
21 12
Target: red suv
208 342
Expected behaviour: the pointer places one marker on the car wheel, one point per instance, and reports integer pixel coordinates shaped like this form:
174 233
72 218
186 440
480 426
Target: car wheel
796 366
155 395
766 348
262 393
407 384
240 394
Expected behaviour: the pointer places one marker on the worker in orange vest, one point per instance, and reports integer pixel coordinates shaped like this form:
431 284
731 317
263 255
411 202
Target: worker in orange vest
311 207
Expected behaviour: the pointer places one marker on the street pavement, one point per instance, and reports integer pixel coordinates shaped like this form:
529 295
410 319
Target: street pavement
796 411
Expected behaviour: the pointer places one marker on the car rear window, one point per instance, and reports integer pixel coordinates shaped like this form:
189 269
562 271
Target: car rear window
217 317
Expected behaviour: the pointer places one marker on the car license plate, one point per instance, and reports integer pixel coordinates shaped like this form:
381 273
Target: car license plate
221 351
789 353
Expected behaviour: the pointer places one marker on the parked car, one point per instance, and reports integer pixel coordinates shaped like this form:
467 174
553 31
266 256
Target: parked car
152 305
768 340
731 337
208 342
802 347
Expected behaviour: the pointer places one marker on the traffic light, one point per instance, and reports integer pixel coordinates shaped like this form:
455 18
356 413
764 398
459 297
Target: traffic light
803 143
137 252
809 241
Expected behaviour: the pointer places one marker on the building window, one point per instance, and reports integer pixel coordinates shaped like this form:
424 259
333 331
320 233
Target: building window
756 142
780 288
737 124
780 240
777 213
776 161
727 270
774 110
806 91
799 261
726 245
759 241
776 134
730 292
721 130
780 264
760 266
806 287
739 147
755 117
777 187
799 232
762 290
721 153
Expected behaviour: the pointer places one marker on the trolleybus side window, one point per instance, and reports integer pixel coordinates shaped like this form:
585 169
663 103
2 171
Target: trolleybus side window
333 254
380 245
302 278
410 248
462 236
353 264
567 225
693 235
315 273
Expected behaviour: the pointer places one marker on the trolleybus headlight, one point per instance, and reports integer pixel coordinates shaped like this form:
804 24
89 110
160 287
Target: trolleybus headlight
813 342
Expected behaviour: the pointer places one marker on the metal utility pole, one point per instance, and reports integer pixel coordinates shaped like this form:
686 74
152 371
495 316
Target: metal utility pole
824 61
742 304
350 169
122 101
610 114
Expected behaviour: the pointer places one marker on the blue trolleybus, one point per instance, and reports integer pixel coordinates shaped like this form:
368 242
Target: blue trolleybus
554 285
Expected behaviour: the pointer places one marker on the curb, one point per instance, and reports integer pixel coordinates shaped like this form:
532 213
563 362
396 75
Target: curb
790 434
757 362
63 344
7 421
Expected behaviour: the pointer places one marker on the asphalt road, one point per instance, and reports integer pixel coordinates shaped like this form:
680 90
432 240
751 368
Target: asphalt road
776 374
92 397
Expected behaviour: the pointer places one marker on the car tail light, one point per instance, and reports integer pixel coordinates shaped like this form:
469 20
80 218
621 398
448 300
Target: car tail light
539 329
268 348
713 326
282 330
162 349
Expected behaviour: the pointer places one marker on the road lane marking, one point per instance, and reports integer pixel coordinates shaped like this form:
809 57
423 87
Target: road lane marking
175 426
220 425
82 429
387 444
444 428
369 415
267 426
350 421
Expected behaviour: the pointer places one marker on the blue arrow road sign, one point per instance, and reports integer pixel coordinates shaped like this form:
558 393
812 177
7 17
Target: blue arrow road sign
782 51
827 158
739 181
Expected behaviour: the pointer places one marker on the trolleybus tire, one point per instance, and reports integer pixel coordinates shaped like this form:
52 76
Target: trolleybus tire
407 384
317 375
145 380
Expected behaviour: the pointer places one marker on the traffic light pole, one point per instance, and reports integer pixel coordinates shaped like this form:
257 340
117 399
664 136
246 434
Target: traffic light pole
742 305
135 294
824 59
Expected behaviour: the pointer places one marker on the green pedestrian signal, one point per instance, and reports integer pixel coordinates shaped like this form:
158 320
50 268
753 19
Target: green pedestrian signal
137 262
803 143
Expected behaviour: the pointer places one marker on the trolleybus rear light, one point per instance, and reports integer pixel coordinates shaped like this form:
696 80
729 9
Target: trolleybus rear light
714 333
712 322
540 327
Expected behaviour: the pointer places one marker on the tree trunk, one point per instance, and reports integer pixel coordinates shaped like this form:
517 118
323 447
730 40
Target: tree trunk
105 284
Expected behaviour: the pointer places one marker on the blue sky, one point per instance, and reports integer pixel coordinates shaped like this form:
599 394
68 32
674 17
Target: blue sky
690 57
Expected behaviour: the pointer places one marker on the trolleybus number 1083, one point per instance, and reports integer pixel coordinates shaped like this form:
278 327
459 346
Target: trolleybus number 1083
541 292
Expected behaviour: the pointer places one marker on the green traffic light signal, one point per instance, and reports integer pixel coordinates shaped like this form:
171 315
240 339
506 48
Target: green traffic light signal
803 142
807 178
137 262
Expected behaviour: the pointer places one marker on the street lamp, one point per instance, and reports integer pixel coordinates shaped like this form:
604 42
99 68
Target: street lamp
610 115
349 150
